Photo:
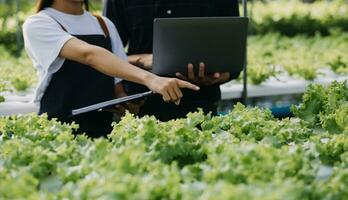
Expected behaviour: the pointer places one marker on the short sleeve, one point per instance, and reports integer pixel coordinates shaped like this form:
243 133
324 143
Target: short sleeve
44 38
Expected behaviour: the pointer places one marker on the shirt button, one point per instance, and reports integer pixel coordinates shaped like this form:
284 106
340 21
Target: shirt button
169 12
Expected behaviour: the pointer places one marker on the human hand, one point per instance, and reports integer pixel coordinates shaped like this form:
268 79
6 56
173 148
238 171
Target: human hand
202 78
169 88
141 60
120 109
133 108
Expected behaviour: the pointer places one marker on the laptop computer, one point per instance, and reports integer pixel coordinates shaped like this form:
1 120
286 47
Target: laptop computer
219 42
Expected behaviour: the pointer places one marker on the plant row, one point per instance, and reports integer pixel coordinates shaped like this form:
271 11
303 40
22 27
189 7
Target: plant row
293 17
246 154
300 57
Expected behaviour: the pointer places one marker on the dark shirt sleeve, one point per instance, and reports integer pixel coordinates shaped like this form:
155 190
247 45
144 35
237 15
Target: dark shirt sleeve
115 11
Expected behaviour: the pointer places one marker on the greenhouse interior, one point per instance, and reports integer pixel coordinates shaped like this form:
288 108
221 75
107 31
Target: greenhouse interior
176 99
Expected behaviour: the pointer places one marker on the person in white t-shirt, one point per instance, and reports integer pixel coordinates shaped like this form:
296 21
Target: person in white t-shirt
77 55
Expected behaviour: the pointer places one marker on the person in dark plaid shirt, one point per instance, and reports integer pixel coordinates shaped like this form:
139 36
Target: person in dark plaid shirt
134 22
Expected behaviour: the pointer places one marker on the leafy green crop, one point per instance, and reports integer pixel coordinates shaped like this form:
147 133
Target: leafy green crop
246 154
325 107
301 57
293 17
17 74
338 65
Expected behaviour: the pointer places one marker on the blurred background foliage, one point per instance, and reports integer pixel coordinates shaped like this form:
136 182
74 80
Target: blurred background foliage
297 37
286 17
12 15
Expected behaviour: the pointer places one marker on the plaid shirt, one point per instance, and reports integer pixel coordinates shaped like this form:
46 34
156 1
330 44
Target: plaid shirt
134 18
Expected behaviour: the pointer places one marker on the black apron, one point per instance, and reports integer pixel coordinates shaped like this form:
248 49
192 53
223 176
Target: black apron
76 85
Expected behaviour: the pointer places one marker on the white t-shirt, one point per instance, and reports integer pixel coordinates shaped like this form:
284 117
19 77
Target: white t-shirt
44 39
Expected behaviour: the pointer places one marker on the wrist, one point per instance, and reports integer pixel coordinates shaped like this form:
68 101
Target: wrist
147 78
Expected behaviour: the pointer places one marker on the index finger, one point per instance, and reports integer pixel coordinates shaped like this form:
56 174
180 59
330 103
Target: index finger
188 85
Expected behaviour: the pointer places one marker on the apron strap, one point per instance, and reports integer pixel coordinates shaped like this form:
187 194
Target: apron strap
102 25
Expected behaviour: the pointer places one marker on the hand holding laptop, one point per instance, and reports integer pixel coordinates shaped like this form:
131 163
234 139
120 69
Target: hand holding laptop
141 60
202 78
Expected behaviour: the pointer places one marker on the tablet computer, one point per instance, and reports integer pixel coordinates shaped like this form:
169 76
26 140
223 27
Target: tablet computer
107 104
219 42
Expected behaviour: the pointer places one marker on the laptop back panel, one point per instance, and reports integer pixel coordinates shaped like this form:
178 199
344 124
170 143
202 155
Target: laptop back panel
219 42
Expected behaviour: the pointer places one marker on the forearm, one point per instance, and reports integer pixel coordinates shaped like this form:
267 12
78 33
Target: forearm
104 61
109 64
